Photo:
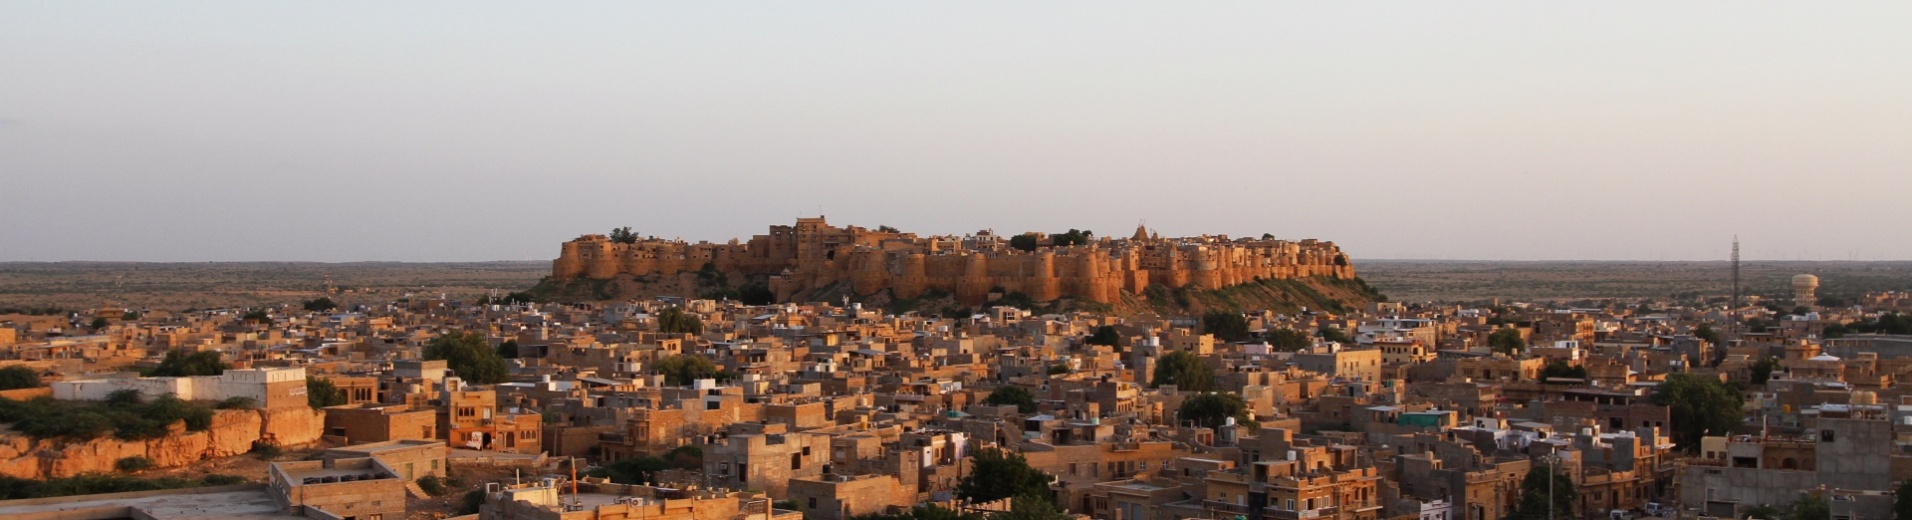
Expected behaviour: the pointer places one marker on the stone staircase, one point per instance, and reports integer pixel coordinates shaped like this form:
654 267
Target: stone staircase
417 492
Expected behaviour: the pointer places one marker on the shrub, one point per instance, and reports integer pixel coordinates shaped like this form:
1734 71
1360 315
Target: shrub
133 464
472 501
237 403
432 485
222 480
19 376
266 450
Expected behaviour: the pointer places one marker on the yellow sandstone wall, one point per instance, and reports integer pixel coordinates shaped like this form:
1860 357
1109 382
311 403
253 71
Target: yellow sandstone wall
232 433
813 255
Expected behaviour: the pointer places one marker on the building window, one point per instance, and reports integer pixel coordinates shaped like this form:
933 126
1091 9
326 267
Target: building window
1825 436
813 502
796 461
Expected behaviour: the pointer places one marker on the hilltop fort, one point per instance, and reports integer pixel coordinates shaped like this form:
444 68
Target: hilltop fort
813 254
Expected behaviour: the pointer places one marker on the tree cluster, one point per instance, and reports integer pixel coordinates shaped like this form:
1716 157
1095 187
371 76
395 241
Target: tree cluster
124 415
12 488
1075 237
1104 335
1562 369
1211 410
321 392
470 356
1534 492
19 376
641 470
321 304
1334 334
1007 395
1184 370
674 320
178 363
922 512
1763 369
623 235
681 369
513 298
1226 325
1025 241
1287 340
1507 341
996 474
1886 323
1699 406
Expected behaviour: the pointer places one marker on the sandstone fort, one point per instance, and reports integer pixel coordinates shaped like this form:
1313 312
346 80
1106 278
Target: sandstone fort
814 254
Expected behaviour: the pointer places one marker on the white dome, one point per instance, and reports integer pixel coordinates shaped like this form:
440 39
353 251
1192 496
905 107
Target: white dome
1805 280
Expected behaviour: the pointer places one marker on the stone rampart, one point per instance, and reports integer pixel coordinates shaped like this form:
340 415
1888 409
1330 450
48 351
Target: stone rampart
813 255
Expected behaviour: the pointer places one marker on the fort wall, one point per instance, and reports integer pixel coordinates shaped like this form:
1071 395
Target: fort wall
812 254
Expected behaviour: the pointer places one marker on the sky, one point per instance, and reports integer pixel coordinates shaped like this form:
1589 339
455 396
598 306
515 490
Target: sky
467 131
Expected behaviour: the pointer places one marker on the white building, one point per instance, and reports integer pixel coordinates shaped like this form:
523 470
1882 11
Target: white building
270 387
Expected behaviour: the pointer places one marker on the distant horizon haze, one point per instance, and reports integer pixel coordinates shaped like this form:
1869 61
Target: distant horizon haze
229 131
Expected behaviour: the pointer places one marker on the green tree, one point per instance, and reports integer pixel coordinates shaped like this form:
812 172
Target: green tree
471 502
1507 341
921 512
887 229
1031 507
321 304
1902 501
755 294
1562 369
1210 410
675 321
1025 241
1226 325
258 316
1810 507
623 235
1762 512
1006 395
1699 406
508 349
1763 370
238 402
1104 335
1706 332
133 464
178 363
19 376
1334 334
1073 238
1287 340
1536 488
97 324
682 369
1185 371
996 474
432 485
320 393
470 356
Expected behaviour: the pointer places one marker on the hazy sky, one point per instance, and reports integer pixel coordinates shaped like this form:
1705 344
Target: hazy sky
333 131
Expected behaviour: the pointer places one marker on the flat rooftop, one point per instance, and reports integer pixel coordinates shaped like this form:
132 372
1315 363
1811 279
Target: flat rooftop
177 504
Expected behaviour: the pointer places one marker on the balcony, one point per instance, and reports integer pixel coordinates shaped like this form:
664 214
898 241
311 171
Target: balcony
1225 507
1274 513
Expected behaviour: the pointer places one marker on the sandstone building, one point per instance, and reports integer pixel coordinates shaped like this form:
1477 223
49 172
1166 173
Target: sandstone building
813 254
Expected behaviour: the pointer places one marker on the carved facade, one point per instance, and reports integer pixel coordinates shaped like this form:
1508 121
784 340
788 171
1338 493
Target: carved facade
813 254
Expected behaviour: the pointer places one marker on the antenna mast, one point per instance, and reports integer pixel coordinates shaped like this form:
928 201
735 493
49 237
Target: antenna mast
1735 271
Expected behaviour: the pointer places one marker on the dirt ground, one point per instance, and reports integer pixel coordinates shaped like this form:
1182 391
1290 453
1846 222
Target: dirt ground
180 286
